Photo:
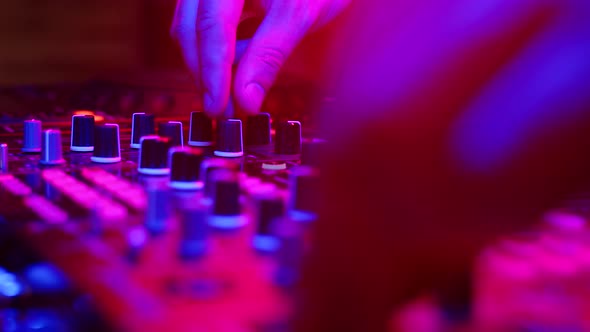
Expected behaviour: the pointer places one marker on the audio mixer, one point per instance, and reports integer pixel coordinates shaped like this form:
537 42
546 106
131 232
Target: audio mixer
126 207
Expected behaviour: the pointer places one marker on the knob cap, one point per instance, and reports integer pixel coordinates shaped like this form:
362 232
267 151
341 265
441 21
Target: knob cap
32 136
153 155
208 167
82 138
288 138
51 150
226 211
159 209
201 130
229 139
3 158
304 189
193 230
172 130
270 207
258 130
107 146
142 125
185 164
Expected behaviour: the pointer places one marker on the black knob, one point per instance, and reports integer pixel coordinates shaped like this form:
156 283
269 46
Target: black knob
304 187
226 212
258 129
194 230
107 147
201 130
229 139
208 167
288 138
82 138
270 207
185 164
153 155
142 125
172 130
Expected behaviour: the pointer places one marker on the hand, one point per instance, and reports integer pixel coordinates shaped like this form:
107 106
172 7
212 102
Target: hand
206 32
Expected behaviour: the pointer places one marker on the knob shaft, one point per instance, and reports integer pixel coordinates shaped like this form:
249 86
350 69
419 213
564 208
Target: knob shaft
185 164
229 139
201 130
142 125
153 155
258 130
288 138
32 136
107 146
51 151
172 130
82 138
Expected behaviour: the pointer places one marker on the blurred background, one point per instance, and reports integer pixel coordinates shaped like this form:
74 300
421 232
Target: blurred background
45 41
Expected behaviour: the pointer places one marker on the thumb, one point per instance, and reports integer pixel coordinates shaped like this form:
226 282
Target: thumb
271 45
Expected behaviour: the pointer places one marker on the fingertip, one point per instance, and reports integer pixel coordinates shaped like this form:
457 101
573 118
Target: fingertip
250 97
212 106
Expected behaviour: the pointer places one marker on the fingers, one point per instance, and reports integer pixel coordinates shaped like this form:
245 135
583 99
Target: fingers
217 22
183 29
277 36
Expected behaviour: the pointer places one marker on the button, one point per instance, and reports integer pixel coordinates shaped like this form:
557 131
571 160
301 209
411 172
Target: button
153 155
229 139
258 130
142 125
82 137
32 136
107 146
51 153
201 130
288 138
185 164
172 130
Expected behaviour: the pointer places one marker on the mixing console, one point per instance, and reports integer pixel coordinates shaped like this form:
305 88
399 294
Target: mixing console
158 219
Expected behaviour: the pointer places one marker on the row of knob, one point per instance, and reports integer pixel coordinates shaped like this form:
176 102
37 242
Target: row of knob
104 140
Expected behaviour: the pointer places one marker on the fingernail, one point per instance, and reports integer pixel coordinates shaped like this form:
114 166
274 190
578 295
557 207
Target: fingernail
255 96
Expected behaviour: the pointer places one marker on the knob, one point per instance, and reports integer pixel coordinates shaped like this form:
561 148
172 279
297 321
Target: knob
258 130
304 191
185 166
270 207
159 209
201 130
207 169
107 146
142 125
32 136
51 153
153 155
172 130
229 139
288 138
193 230
82 138
3 158
226 210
